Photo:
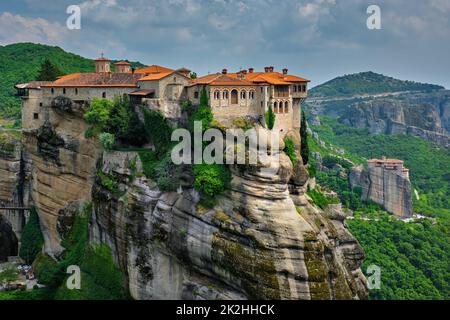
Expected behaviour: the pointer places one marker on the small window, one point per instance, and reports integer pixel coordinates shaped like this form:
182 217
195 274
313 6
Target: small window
174 79
35 116
40 104
196 95
52 91
295 88
76 90
64 90
104 95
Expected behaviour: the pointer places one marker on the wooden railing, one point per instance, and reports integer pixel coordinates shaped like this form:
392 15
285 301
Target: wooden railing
281 94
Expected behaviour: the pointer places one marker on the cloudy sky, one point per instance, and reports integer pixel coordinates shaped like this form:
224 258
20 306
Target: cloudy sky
317 39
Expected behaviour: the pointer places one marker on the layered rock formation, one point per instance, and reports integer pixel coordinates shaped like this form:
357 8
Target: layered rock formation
390 116
14 182
255 244
64 163
386 186
8 240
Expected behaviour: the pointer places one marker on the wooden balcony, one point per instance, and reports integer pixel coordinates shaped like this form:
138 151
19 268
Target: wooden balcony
299 94
281 94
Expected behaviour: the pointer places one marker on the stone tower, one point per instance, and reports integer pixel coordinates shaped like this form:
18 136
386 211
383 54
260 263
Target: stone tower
102 64
122 67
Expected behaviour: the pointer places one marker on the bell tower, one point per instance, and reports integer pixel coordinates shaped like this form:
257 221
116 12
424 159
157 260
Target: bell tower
102 64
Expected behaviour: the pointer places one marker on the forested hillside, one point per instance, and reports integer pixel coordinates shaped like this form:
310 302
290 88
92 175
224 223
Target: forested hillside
367 83
413 256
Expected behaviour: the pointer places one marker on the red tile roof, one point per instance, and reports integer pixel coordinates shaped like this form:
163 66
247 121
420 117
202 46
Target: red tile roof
93 79
122 63
249 79
219 79
386 161
152 69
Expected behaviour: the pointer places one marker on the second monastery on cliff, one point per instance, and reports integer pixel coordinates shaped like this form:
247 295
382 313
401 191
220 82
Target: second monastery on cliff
231 95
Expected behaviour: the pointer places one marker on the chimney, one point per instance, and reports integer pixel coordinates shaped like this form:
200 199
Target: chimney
270 69
285 71
250 70
123 67
266 69
224 71
102 64
184 71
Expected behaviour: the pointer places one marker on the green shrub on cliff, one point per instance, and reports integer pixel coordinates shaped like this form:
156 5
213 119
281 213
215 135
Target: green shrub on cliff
108 140
289 149
211 179
98 114
32 239
100 277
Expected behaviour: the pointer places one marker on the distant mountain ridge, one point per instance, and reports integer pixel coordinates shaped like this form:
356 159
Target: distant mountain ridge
384 105
364 83
20 62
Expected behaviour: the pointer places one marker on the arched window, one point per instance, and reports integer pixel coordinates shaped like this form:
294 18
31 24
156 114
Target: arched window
225 95
104 95
243 95
216 95
252 95
286 107
76 90
196 95
174 79
64 90
234 96
275 107
52 91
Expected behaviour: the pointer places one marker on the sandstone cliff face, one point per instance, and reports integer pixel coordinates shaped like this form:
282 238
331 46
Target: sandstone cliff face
253 245
388 116
63 170
385 187
8 240
15 179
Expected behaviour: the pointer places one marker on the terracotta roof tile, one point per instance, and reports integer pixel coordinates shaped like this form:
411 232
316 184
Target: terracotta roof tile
156 76
122 63
152 69
93 79
219 79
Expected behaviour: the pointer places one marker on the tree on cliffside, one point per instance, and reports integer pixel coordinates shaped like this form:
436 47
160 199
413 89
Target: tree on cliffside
304 137
270 118
48 71
32 239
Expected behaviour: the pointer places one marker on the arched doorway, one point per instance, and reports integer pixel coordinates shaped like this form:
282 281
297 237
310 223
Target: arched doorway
234 96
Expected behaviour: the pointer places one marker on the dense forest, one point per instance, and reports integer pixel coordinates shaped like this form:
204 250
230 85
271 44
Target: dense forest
367 83
413 256
22 62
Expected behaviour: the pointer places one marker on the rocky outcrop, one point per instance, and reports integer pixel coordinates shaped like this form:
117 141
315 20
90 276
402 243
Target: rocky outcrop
15 179
254 244
386 187
8 240
64 166
389 116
